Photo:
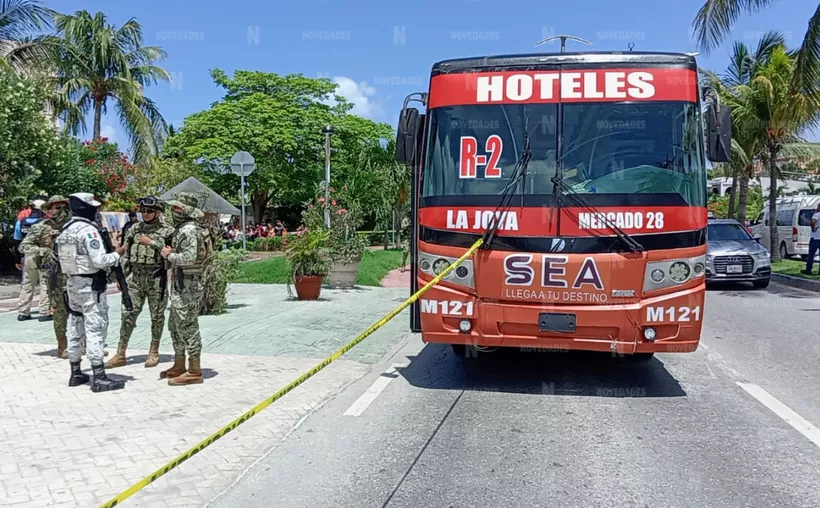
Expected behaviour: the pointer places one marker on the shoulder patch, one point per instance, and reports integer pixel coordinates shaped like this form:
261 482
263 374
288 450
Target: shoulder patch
95 244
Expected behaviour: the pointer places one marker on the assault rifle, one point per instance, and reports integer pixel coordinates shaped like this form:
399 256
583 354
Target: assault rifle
117 269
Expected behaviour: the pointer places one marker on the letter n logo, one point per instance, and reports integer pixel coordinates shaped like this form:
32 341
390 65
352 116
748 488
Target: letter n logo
253 35
176 80
399 35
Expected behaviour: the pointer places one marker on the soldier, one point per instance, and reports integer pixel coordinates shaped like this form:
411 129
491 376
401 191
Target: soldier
404 234
84 260
147 278
32 275
39 243
188 256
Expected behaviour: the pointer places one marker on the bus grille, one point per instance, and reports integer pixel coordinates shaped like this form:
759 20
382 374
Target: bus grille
721 262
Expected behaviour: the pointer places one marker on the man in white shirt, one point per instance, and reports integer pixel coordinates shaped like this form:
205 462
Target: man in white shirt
814 243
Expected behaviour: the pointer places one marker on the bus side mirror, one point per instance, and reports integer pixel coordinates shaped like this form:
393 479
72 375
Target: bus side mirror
719 135
407 135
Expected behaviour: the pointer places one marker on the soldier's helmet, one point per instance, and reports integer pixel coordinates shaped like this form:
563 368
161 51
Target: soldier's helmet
151 203
55 199
187 202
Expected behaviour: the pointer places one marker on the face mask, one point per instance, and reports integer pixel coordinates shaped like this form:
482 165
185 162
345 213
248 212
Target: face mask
179 217
60 214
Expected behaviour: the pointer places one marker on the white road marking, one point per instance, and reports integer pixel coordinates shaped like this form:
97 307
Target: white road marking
378 386
797 422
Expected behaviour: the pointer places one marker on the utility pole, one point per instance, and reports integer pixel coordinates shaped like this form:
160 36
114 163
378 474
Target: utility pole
327 131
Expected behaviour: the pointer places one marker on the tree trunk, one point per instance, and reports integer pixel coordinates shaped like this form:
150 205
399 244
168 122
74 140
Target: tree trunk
259 204
98 105
774 244
386 234
743 195
733 192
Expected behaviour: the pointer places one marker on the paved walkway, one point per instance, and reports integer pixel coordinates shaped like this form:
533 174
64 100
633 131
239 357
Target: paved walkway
69 447
397 279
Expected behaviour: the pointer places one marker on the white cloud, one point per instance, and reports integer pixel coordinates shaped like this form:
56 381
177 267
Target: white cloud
110 132
360 95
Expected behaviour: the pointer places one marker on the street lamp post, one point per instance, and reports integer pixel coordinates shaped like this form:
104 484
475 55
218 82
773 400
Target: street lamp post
327 131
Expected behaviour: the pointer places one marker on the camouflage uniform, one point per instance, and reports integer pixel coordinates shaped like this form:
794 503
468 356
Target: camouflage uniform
188 260
146 279
405 241
39 243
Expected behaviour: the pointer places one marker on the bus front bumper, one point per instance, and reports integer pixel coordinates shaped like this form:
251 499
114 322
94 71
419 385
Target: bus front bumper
676 320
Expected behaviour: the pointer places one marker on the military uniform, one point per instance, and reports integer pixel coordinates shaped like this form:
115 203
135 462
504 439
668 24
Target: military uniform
190 253
404 234
33 277
39 244
83 258
147 280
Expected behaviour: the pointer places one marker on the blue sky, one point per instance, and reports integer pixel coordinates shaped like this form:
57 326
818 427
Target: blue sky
381 51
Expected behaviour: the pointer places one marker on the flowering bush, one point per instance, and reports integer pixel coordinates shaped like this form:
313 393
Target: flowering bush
345 245
112 169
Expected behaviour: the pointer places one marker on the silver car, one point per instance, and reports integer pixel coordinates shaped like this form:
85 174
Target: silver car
734 255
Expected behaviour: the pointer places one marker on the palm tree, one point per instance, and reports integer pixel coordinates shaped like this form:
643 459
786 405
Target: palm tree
715 20
19 19
95 62
775 109
746 145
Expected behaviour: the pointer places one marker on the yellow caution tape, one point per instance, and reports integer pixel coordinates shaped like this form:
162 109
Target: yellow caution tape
130 491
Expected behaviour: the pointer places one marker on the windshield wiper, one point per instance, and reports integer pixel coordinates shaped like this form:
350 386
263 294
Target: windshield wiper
581 202
519 171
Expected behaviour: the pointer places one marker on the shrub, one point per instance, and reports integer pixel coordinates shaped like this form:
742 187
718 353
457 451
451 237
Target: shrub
218 274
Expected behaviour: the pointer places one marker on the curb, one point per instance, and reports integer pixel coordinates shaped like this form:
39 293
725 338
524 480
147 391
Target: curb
797 282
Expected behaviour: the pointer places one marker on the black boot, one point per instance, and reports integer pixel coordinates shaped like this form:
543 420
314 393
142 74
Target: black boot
102 383
77 376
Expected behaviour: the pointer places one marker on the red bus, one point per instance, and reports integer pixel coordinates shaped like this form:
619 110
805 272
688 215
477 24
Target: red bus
585 174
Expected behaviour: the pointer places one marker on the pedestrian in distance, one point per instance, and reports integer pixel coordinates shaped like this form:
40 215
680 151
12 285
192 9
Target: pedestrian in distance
814 241
84 260
40 244
32 276
191 251
147 278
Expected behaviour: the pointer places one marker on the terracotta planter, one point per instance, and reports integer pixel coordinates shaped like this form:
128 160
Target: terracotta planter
343 275
308 287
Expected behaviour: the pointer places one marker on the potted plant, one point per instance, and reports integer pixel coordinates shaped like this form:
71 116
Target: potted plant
310 262
345 245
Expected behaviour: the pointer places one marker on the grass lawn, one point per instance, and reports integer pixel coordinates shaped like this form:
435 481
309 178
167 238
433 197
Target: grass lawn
793 267
372 269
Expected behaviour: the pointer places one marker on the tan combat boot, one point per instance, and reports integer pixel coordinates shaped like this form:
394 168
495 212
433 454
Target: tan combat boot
153 355
118 360
177 370
192 376
62 348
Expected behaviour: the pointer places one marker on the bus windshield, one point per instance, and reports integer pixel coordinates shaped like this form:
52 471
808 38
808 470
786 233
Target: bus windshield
608 148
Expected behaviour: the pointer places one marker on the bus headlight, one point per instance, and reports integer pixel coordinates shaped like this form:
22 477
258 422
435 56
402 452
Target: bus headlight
671 272
679 272
435 264
440 265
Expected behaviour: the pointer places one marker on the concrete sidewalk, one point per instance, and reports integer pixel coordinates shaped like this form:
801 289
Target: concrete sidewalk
62 446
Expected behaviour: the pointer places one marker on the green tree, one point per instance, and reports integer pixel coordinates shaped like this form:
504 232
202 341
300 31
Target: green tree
777 108
279 120
19 20
94 63
716 18
29 144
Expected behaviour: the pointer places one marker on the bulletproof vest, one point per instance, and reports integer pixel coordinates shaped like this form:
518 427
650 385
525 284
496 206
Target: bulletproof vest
204 244
145 254
74 257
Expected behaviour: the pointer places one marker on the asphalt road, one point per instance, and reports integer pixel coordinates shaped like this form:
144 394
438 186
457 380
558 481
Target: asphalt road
567 430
